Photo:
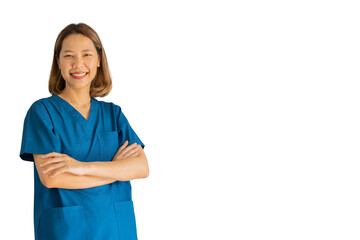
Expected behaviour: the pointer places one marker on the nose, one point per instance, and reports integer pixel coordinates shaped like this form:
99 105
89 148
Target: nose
77 62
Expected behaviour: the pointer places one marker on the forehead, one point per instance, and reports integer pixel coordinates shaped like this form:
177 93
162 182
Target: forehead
77 42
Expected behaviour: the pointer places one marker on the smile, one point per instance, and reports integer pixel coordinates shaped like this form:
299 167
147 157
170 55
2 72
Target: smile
78 75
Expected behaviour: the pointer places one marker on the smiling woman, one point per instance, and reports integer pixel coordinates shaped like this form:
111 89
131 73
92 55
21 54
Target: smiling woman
79 50
77 63
84 150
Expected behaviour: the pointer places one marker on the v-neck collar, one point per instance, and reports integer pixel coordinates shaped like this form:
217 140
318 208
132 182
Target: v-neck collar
75 112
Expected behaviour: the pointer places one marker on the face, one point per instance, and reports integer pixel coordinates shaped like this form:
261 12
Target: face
78 61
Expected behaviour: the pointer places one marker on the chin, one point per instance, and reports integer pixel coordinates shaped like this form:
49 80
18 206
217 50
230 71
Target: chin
79 85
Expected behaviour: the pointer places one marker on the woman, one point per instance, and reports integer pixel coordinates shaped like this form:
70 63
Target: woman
81 174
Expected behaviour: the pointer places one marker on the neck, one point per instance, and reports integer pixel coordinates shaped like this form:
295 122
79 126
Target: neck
76 97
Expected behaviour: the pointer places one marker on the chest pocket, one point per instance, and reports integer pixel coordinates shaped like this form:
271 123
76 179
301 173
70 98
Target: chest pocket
108 144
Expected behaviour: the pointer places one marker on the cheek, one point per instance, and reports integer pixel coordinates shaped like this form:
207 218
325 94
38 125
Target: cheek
64 66
63 71
92 64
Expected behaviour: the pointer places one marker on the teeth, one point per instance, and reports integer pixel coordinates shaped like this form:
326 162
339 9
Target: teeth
78 75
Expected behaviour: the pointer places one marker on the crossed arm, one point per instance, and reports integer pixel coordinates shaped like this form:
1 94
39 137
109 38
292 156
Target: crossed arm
58 170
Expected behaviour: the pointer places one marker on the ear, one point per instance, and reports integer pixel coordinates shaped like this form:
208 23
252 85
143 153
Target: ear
99 60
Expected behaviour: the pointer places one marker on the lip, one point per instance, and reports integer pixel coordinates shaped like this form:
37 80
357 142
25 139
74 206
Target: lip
77 72
78 77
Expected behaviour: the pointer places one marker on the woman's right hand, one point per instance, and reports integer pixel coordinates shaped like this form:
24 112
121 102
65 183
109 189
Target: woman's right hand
125 152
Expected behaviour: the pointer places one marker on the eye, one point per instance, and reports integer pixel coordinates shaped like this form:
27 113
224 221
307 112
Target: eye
87 54
67 55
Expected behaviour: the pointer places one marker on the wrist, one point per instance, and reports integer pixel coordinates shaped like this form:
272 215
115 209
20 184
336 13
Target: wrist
88 168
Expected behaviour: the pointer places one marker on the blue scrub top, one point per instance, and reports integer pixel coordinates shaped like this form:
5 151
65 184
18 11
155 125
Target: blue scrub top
100 213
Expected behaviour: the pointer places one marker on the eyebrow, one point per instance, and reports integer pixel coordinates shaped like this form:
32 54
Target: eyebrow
85 50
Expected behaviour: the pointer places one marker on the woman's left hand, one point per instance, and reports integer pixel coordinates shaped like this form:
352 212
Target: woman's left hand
60 163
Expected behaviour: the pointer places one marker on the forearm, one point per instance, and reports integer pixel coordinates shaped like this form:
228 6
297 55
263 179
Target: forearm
70 181
123 170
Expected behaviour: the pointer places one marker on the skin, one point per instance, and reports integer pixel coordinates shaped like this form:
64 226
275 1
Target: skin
74 58
57 170
71 181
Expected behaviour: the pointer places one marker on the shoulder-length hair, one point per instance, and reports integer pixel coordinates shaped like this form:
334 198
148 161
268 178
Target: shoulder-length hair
102 84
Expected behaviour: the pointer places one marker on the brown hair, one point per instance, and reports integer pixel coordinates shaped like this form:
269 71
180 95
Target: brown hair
102 84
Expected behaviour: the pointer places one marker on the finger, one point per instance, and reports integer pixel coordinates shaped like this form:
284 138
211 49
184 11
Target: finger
124 157
129 148
51 161
58 171
125 150
121 148
134 154
52 154
121 153
125 144
52 167
129 153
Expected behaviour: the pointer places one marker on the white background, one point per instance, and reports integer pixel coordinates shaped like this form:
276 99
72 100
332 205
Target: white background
249 112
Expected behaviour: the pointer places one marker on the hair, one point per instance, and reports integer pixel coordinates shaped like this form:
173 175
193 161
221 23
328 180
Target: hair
102 84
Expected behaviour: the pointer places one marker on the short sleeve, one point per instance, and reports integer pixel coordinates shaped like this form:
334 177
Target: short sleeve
38 133
125 130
